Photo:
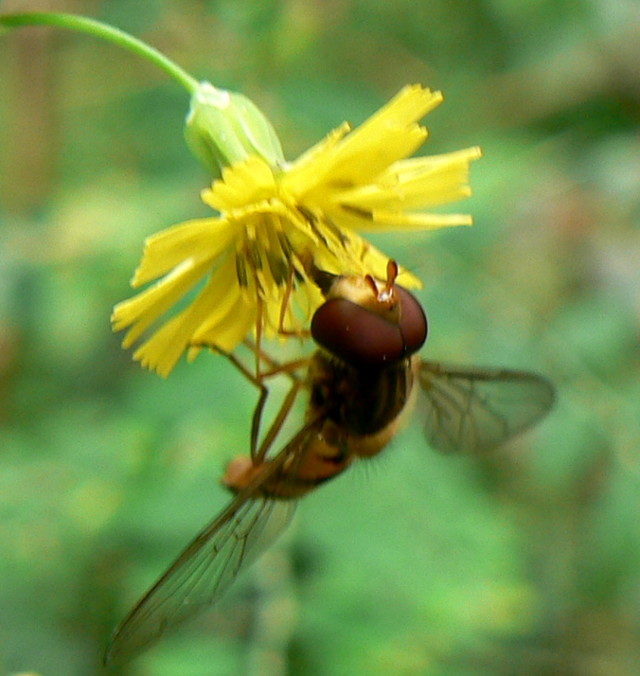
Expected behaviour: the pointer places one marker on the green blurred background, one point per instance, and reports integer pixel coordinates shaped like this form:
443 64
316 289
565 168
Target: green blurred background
521 563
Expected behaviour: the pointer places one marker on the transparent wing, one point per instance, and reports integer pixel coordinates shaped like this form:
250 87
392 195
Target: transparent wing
472 409
206 568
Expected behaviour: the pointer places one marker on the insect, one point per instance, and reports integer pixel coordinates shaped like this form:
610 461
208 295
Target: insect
360 382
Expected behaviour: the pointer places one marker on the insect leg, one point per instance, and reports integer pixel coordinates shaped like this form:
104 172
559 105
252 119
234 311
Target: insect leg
276 368
286 299
257 380
278 421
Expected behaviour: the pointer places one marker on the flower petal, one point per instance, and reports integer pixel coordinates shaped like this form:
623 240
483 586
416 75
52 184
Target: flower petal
389 135
242 184
163 350
416 183
312 166
141 311
402 220
200 239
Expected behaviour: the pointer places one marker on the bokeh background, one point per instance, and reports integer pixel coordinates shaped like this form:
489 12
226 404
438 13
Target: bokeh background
525 562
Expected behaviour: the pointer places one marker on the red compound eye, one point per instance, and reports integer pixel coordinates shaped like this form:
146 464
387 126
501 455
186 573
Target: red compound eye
361 337
413 321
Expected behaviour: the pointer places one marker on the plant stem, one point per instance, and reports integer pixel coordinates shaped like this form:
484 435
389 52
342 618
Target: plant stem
105 32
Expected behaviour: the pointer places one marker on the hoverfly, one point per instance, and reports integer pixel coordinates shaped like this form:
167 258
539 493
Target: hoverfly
360 380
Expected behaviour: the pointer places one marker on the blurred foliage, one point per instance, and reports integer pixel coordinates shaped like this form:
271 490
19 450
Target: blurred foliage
522 563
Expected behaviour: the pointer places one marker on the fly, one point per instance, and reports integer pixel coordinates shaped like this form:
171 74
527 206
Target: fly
360 381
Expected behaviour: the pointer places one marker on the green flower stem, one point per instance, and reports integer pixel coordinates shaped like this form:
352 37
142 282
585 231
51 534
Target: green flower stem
105 32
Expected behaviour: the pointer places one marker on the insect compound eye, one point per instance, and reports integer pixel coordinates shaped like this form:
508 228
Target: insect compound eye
356 335
413 320
362 337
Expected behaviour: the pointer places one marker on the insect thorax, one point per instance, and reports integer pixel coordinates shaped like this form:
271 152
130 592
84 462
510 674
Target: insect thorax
358 401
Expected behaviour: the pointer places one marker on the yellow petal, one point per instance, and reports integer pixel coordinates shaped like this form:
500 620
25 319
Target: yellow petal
142 310
242 184
162 351
418 183
387 136
312 166
229 334
400 220
225 305
200 239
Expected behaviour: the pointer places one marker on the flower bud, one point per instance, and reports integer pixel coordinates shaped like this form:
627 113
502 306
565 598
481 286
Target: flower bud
223 128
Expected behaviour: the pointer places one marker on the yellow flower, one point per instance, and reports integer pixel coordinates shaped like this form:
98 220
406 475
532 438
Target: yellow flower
250 259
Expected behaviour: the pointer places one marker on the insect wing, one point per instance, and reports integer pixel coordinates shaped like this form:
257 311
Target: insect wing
472 409
206 568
